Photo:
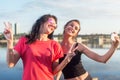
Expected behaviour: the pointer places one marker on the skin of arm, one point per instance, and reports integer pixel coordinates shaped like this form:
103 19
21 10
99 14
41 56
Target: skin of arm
95 56
58 67
58 75
12 55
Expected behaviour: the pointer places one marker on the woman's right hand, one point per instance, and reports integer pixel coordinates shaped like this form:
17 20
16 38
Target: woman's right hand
8 33
71 53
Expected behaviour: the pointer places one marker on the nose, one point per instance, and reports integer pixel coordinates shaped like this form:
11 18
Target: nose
73 27
54 25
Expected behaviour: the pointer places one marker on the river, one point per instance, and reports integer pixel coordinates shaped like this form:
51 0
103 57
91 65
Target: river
108 71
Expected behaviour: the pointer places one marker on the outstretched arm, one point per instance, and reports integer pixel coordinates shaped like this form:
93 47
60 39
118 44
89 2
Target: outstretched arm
100 58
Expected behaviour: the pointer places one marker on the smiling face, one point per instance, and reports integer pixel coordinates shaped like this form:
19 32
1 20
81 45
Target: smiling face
72 28
49 26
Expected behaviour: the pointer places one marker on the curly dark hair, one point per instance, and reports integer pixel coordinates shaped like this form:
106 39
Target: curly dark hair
35 31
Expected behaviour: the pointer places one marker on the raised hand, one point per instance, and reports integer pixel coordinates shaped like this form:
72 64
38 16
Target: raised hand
8 33
71 53
115 39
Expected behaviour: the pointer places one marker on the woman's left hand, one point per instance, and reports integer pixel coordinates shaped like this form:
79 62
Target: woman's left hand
115 40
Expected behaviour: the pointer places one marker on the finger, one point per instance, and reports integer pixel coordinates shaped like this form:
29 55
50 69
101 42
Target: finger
73 54
8 25
70 50
117 38
74 46
70 55
5 24
75 49
6 30
7 36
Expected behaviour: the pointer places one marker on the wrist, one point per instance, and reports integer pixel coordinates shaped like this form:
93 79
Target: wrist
114 46
10 45
10 49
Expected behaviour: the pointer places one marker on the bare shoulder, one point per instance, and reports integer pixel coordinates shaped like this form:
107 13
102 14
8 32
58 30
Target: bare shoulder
82 47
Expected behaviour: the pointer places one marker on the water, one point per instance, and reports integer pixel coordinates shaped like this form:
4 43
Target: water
9 73
108 71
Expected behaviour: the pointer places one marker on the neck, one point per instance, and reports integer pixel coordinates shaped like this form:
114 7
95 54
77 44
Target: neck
43 37
67 40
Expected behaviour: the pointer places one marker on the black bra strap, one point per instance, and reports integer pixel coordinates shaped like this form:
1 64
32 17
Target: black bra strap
76 44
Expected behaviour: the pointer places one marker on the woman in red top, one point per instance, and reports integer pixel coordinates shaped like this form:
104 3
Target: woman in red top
37 50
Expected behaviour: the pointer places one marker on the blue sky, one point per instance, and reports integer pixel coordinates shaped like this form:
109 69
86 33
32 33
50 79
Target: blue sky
96 16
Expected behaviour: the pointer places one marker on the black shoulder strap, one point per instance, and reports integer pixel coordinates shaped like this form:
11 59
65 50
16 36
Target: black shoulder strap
76 44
